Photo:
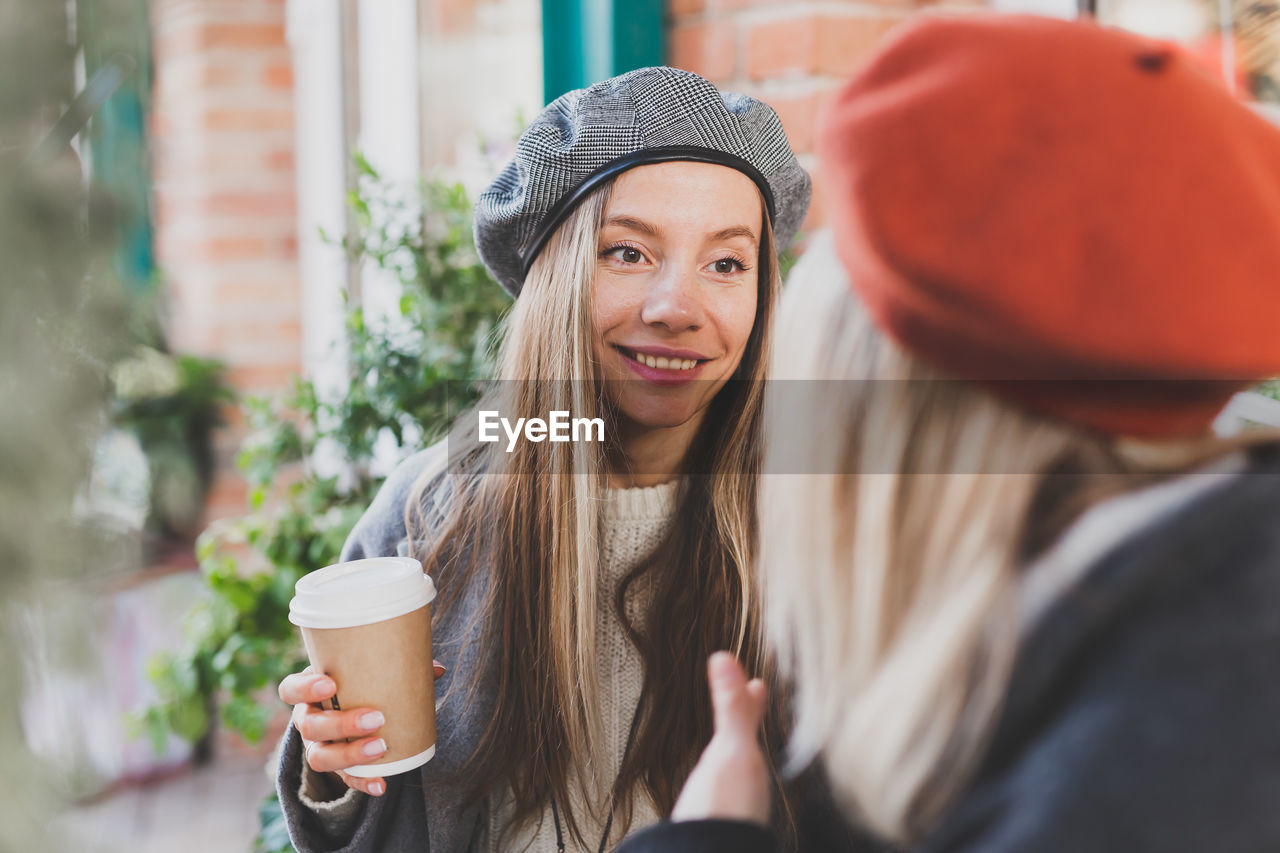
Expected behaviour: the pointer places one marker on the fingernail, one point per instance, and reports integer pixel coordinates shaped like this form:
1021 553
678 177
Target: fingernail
371 720
721 670
324 688
374 747
375 788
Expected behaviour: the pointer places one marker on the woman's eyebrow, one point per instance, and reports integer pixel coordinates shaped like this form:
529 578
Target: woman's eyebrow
635 225
735 231
652 230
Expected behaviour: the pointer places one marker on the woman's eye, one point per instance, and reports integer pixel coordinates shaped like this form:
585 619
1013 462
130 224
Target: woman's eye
629 255
725 266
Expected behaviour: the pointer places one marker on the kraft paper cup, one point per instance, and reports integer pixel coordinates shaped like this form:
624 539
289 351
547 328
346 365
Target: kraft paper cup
367 625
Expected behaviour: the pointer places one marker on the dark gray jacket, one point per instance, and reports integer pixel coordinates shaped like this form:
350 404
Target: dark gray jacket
421 811
1144 711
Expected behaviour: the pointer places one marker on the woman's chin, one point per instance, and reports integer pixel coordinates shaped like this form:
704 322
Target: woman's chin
657 414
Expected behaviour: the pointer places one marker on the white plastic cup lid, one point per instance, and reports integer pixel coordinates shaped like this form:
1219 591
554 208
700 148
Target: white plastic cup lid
360 592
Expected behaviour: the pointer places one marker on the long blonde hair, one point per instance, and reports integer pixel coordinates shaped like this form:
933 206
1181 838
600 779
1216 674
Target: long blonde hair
891 559
533 531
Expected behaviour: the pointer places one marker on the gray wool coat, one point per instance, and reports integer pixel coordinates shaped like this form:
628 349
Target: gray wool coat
421 810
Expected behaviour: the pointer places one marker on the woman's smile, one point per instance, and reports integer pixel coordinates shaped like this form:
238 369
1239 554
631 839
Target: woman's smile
661 365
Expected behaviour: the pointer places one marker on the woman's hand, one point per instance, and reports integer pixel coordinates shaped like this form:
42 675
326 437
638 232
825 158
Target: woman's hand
325 733
731 779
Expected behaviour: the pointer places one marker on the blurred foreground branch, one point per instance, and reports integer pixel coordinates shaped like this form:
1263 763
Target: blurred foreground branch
61 315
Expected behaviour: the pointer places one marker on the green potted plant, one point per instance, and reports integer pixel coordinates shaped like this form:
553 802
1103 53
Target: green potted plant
405 380
171 404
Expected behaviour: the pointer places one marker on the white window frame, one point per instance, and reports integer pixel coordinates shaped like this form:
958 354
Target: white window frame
314 29
1051 8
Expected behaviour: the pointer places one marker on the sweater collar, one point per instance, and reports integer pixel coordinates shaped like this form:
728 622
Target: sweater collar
650 503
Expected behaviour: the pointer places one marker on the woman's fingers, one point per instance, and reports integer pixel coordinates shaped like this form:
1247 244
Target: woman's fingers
336 740
755 688
306 687
731 779
309 686
737 705
317 725
332 757
375 787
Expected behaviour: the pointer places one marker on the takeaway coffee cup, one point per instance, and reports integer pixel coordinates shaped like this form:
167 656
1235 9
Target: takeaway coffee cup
367 625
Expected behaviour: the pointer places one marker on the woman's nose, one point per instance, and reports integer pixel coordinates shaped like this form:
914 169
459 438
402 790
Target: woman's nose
672 302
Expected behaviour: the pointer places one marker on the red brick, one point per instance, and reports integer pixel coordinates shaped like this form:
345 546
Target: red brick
707 49
278 76
279 161
781 47
226 249
257 204
259 291
235 248
252 157
734 5
185 74
248 119
682 8
225 197
262 377
242 36
843 42
222 75
452 17
245 326
798 115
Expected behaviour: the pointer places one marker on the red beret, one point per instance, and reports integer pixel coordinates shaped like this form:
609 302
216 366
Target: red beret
1077 216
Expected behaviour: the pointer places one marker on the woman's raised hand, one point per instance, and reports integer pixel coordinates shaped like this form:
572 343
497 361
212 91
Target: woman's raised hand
332 741
731 779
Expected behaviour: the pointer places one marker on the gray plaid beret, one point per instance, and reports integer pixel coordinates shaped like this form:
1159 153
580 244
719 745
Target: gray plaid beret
587 137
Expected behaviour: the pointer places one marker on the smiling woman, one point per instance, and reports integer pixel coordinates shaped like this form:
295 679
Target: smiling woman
675 299
583 584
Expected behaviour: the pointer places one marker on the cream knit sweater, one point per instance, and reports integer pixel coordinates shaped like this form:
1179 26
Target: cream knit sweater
633 524
634 521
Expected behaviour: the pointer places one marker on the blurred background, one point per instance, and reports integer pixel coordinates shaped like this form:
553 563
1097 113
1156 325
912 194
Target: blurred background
240 286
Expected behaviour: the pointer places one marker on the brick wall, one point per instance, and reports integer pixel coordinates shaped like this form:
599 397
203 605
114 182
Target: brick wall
225 204
791 54
223 143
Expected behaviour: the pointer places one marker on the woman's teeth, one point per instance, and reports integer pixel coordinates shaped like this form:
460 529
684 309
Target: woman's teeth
663 363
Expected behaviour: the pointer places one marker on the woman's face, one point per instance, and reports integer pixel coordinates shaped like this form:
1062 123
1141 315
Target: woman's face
675 289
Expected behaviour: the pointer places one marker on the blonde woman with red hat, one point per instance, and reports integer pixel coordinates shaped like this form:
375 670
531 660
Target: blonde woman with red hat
1027 599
